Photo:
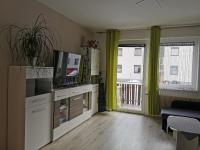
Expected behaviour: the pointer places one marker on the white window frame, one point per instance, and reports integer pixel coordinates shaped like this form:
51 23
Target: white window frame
172 49
138 66
118 68
196 74
172 71
120 49
136 51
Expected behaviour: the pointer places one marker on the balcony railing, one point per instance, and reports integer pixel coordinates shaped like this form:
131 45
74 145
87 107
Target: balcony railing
129 94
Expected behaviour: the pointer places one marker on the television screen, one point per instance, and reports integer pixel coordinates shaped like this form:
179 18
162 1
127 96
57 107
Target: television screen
66 68
73 64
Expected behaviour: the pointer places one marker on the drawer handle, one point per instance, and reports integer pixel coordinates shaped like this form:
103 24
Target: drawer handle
61 96
38 110
76 98
37 100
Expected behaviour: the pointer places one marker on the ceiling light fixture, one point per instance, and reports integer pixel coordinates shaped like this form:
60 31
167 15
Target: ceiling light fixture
139 2
155 1
158 3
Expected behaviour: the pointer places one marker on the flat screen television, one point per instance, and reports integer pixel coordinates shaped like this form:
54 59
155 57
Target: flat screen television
73 64
66 68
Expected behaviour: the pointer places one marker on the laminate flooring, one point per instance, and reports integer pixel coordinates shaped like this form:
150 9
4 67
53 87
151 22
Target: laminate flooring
116 131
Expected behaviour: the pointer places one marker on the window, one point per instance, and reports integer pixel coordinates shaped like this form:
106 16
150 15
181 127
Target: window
173 70
119 68
137 68
76 61
120 50
68 61
161 61
180 72
161 68
174 51
138 51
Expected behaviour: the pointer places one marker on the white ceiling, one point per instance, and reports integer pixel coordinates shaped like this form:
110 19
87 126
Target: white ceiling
126 14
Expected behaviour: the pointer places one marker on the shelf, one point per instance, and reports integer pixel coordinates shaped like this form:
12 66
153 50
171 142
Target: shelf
39 72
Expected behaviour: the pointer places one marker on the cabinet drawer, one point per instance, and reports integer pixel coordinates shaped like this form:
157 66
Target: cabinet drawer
76 106
75 114
62 94
76 98
76 102
38 100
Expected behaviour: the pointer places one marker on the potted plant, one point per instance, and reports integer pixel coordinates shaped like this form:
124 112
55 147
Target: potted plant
30 44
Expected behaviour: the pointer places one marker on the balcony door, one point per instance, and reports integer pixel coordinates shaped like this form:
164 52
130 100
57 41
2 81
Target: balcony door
130 77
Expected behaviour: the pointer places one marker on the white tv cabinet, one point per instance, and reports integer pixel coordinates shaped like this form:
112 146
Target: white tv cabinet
29 110
61 94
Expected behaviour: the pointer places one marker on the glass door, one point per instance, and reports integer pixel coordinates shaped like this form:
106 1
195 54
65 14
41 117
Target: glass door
130 71
61 110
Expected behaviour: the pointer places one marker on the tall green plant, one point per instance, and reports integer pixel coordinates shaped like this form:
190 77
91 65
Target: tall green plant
31 44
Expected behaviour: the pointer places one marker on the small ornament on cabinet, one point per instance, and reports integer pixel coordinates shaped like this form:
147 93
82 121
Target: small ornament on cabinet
93 43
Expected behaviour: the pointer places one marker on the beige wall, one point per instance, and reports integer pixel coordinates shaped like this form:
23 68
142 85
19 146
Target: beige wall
69 35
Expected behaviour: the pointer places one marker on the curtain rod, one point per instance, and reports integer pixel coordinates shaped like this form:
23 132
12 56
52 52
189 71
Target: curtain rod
162 27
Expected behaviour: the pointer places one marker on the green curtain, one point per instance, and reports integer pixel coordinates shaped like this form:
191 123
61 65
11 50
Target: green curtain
112 42
153 73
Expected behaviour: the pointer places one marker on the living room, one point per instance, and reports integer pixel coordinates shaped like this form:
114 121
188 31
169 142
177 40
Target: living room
106 114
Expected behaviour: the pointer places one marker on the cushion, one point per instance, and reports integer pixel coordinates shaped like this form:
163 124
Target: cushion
186 105
165 112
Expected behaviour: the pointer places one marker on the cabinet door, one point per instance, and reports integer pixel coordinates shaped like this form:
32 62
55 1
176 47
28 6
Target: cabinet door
93 57
94 62
94 100
76 106
97 62
38 126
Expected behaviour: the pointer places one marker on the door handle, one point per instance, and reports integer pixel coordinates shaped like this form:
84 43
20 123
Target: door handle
38 100
38 110
76 98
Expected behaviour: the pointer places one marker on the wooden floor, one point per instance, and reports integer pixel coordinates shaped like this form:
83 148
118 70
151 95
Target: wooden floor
116 131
